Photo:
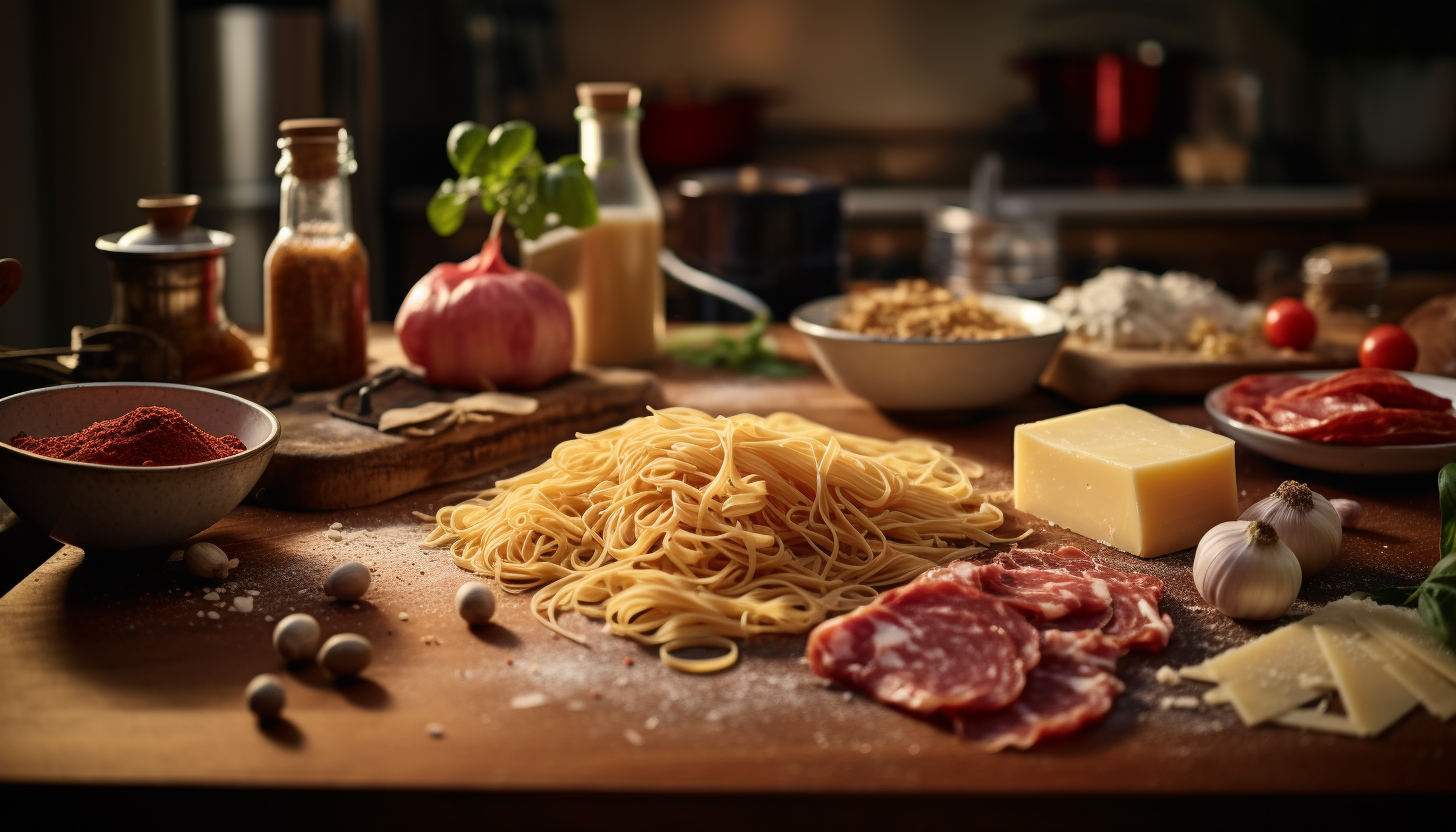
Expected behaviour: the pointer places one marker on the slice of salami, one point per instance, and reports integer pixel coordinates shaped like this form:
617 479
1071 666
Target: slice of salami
1043 595
1136 621
929 646
1073 686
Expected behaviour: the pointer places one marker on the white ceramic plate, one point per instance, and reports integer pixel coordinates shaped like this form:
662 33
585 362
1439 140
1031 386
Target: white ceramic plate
1339 459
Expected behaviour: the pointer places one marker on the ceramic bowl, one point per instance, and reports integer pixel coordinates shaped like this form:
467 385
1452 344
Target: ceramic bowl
118 507
923 374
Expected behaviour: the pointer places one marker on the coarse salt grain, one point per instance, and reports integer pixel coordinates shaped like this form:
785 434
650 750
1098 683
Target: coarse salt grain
576 705
334 535
213 615
336 526
200 613
634 737
436 730
651 723
211 596
267 618
243 603
528 700
1167 676
404 616
254 592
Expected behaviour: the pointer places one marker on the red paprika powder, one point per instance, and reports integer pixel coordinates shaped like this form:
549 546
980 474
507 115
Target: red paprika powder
146 436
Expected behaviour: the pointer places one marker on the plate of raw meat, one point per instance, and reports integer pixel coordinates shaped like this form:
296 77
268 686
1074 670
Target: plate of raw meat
1363 421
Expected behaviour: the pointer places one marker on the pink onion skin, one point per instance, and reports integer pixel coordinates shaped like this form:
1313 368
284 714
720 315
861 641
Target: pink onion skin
484 322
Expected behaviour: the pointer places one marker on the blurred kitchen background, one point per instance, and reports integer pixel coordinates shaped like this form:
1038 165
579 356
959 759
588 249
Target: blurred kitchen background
1224 137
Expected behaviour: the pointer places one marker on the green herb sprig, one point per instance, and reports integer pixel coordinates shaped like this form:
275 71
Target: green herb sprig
753 352
502 168
1435 597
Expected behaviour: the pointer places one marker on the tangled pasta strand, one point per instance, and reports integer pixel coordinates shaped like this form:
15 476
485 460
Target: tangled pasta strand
678 528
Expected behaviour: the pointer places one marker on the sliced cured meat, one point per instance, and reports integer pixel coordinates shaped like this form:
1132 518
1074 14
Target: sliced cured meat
1044 595
929 646
1357 407
1252 391
1073 686
1386 426
1136 622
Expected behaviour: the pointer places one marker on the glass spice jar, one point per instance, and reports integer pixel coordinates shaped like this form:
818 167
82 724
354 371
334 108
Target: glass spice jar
316 272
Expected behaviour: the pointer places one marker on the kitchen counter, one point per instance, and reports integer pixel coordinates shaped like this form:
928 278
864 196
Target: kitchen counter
111 678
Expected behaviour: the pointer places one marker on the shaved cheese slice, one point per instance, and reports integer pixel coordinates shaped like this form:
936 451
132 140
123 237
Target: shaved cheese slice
1433 690
1404 627
1373 699
1263 677
1216 696
1199 673
1313 719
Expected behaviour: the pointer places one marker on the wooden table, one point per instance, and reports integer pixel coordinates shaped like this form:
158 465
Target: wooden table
109 677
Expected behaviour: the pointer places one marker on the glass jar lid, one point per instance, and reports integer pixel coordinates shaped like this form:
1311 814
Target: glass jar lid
169 231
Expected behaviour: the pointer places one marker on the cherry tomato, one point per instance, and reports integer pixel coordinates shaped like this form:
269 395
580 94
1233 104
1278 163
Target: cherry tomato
1289 323
1388 347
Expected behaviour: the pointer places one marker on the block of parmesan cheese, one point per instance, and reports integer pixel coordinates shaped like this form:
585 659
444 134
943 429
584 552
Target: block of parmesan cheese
1126 478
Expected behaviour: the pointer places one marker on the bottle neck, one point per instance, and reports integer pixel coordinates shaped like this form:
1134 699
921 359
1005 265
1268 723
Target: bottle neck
609 149
316 206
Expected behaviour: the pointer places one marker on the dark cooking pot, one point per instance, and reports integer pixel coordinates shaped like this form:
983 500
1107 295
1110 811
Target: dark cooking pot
778 234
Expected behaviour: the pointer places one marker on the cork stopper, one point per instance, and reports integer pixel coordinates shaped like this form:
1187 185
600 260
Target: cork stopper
313 144
609 96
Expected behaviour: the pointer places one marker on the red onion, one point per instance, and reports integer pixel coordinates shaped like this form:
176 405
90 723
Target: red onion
485 323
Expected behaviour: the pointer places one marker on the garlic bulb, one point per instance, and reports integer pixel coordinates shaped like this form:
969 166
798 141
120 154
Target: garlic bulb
1244 571
1306 523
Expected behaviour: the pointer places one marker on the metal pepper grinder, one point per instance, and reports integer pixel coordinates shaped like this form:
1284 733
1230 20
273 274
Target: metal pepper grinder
167 277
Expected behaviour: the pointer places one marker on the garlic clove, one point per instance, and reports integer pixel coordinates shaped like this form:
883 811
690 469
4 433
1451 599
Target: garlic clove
475 603
296 637
206 560
1351 513
348 582
265 696
1305 521
1245 571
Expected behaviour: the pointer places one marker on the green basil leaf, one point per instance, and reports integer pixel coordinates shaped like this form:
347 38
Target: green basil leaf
569 192
1393 596
529 219
510 144
1446 488
465 146
1437 606
446 210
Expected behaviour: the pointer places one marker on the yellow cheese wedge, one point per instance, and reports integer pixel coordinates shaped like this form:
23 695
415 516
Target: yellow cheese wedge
1432 689
1373 699
1126 478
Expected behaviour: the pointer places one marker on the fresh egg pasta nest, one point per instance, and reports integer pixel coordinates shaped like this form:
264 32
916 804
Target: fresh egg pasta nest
681 529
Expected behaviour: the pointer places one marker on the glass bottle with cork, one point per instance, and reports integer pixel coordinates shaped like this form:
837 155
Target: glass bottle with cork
609 271
316 272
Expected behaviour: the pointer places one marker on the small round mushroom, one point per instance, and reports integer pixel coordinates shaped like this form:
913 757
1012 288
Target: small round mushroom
348 582
345 654
475 603
206 560
265 696
296 637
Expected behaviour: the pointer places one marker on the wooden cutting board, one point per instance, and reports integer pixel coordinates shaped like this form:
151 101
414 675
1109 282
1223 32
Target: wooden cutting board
325 462
1094 377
